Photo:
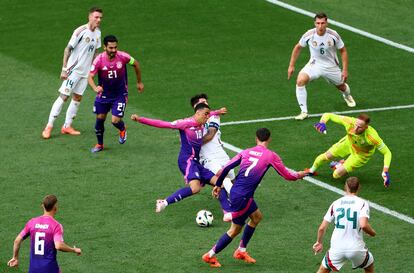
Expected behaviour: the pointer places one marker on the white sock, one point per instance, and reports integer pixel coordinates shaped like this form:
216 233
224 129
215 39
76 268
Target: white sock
55 111
347 91
301 96
242 249
211 253
71 112
227 184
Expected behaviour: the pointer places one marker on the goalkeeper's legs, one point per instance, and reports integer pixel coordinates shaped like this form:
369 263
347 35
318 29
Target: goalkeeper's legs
321 159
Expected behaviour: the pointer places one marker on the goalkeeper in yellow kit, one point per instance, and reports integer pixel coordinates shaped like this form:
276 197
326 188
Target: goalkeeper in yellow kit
360 143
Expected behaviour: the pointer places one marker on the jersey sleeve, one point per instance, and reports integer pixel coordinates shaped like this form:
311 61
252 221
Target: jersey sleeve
177 124
339 43
58 233
374 139
126 58
233 163
329 216
281 169
26 230
303 41
347 122
364 210
96 64
76 36
214 121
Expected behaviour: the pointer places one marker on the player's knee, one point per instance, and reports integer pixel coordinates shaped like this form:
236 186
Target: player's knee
302 79
64 97
76 97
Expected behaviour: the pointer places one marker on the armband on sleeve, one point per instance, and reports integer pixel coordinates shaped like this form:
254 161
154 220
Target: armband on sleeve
131 61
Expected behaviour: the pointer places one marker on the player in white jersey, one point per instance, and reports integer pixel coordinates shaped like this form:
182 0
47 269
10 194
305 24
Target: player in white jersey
77 60
323 43
350 215
212 154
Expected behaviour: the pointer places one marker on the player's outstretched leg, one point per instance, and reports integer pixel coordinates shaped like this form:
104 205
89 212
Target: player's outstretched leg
347 96
160 205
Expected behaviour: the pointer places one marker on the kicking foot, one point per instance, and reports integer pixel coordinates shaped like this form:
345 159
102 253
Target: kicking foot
47 131
69 131
349 101
160 205
243 255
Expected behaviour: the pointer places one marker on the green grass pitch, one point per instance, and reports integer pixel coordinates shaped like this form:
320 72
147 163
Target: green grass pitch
238 53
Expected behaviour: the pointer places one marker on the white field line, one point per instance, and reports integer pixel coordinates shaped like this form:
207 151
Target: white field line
338 191
320 114
344 26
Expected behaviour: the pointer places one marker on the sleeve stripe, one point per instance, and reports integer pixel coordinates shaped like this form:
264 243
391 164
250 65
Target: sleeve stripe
372 139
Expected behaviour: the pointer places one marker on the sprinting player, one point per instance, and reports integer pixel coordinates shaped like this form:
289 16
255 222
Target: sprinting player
77 60
323 43
254 163
112 88
46 236
359 145
191 136
350 215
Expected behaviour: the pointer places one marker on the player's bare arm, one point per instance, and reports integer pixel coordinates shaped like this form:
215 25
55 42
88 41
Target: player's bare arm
135 117
295 54
66 55
95 88
344 56
318 246
140 85
366 227
61 246
16 247
211 132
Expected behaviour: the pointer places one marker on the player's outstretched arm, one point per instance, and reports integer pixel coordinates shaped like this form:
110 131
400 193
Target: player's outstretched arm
14 261
61 246
383 149
320 127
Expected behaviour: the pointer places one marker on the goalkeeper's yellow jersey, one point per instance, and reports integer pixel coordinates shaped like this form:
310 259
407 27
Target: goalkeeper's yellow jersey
363 144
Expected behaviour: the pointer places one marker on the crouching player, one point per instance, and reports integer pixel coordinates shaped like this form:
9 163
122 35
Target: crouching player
254 162
359 145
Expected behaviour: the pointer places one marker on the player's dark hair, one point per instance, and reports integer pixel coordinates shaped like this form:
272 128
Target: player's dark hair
49 202
196 98
364 117
201 106
110 39
93 9
320 15
353 184
263 134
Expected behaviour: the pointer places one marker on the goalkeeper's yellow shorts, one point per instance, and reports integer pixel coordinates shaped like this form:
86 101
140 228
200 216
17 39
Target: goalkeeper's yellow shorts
342 149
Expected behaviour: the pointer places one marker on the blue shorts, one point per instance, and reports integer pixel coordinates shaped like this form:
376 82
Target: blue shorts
118 105
192 169
241 208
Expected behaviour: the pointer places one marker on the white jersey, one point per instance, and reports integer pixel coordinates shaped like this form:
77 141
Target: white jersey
346 212
84 43
214 148
322 48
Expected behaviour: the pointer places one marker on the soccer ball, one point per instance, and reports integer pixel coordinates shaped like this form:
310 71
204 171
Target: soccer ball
204 218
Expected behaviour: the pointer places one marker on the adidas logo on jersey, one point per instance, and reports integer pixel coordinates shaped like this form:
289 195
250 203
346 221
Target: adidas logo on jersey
105 68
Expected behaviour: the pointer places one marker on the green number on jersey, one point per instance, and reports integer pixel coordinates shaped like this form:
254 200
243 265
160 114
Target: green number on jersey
352 218
322 50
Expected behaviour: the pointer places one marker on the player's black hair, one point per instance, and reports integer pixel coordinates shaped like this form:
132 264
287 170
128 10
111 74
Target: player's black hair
49 202
196 98
263 134
353 184
93 9
201 106
110 39
320 15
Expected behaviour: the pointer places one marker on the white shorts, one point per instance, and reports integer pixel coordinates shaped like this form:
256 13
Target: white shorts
335 260
332 74
216 164
74 84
